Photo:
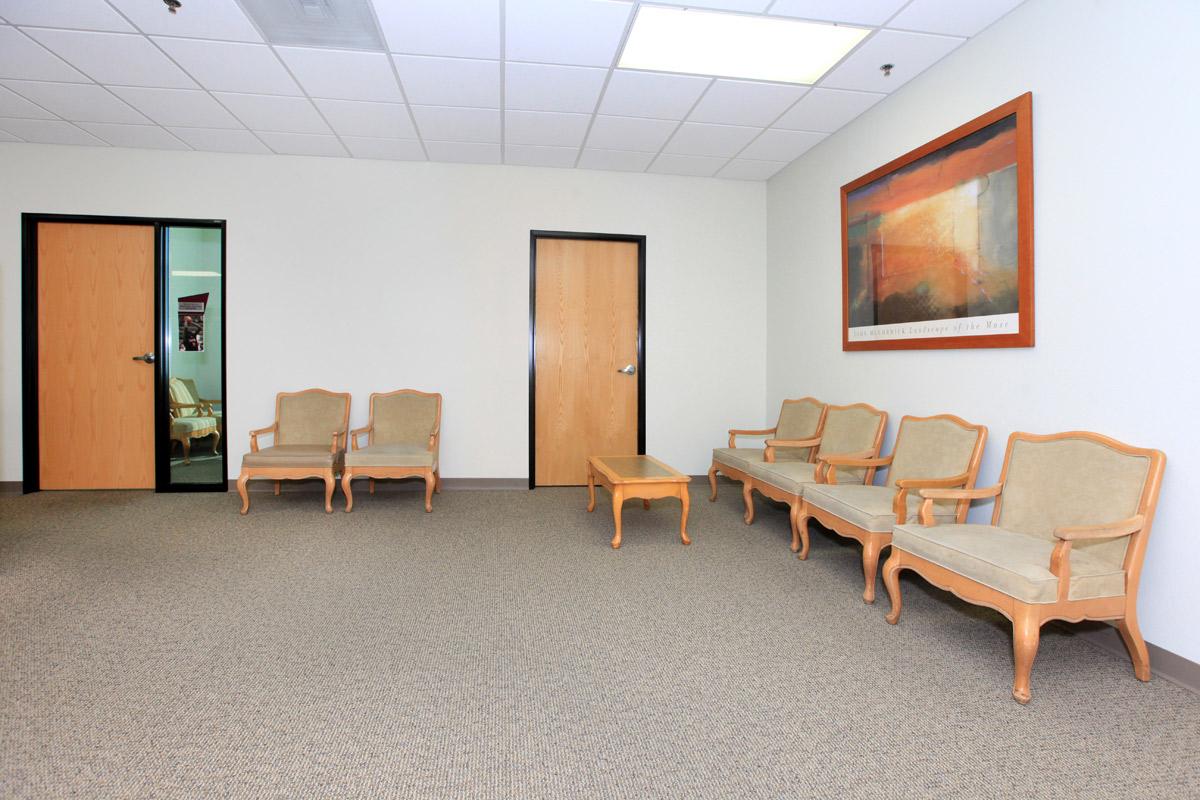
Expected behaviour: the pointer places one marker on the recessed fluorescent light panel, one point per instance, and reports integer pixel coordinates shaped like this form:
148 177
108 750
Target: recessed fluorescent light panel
735 45
346 24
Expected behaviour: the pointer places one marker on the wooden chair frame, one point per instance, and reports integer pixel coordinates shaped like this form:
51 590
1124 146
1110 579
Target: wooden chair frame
738 475
1028 618
873 542
294 473
205 409
431 475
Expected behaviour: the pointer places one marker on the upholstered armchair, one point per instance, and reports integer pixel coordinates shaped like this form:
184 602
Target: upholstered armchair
854 430
801 418
309 441
192 417
1070 523
930 452
403 433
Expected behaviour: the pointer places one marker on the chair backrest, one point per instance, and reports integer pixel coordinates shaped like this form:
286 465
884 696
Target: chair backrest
311 416
801 418
1079 478
179 391
941 446
855 429
405 416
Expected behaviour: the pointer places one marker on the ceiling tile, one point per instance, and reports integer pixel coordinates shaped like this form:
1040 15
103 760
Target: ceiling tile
620 160
92 15
720 5
547 87
545 128
221 141
48 131
701 139
777 145
231 66
119 58
827 110
630 133
210 19
150 136
464 28
946 16
576 32
303 144
78 102
531 155
855 12
469 152
651 94
393 149
342 74
686 165
370 120
911 53
8 137
745 102
458 125
450 81
21 57
743 169
182 107
265 112
13 105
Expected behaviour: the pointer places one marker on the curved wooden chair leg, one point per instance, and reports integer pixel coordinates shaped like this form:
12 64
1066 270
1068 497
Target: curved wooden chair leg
1027 631
748 499
645 505
216 442
241 487
277 485
437 481
712 482
800 530
1136 645
346 491
329 484
372 480
430 482
891 581
187 450
870 560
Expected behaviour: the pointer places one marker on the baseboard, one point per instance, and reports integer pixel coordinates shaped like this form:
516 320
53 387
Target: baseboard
1163 663
407 485
10 487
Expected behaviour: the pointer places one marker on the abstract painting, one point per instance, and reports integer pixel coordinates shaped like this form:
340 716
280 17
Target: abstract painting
937 246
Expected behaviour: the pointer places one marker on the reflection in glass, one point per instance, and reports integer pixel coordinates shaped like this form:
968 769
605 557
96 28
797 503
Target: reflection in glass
194 354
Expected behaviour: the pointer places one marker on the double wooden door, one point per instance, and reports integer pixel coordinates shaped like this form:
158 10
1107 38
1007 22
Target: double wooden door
587 354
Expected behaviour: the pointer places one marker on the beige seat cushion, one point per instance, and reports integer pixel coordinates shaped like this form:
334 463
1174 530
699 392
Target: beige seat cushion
1017 564
390 455
739 457
790 476
294 455
192 425
868 507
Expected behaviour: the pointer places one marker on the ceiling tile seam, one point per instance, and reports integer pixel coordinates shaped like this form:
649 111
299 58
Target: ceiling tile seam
19 139
771 125
412 118
503 72
612 68
53 55
312 104
711 82
31 102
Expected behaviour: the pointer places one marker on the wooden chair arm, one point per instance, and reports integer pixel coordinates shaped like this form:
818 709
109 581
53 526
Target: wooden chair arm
771 444
254 434
333 447
433 439
1060 557
930 495
354 434
900 502
736 432
826 471
854 461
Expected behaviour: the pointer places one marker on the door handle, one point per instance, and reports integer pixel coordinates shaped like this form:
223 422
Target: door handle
628 369
145 358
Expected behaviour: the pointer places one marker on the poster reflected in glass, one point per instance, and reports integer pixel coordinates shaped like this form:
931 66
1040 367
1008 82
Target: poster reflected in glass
191 322
937 246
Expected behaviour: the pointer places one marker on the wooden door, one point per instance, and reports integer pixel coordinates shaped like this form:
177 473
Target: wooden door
585 333
95 313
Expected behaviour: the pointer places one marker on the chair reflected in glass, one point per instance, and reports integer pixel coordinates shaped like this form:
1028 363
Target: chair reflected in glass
192 417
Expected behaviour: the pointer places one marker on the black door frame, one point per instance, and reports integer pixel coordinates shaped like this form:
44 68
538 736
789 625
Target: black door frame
31 456
640 241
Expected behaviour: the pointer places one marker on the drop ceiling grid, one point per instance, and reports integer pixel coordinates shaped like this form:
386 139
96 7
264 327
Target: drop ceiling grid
107 16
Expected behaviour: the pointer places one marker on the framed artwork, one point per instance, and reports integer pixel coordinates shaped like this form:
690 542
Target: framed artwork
937 246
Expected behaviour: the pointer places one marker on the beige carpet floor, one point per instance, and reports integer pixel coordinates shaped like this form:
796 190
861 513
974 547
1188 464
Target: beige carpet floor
163 646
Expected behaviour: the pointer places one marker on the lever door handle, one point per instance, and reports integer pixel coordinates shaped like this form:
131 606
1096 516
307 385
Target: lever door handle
628 369
145 358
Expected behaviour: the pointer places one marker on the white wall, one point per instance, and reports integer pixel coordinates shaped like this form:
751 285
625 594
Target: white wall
368 275
1116 127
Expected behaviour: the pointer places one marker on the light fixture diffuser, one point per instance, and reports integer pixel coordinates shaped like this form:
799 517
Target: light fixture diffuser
736 45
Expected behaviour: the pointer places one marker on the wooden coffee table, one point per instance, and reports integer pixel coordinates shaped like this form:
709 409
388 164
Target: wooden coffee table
637 476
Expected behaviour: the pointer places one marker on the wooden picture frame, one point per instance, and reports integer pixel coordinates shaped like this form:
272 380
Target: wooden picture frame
965 201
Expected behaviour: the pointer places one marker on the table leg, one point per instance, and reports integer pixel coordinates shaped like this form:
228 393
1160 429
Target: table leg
591 488
686 501
646 504
618 498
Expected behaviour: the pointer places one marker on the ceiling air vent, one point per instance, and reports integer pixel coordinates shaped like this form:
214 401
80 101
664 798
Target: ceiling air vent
348 24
